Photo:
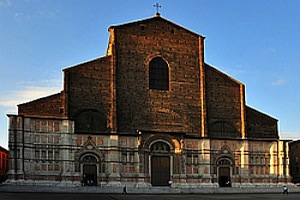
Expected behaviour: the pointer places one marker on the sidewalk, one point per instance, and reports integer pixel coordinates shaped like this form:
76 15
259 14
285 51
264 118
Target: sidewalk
150 190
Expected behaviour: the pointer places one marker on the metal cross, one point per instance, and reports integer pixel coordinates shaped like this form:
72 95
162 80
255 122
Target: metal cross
157 7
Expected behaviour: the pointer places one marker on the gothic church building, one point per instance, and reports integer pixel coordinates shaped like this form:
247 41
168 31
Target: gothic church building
150 112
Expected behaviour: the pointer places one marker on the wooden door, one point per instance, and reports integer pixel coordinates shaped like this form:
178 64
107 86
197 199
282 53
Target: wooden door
90 175
160 170
224 177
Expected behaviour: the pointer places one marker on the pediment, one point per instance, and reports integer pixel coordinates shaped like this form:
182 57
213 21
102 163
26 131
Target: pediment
153 20
89 146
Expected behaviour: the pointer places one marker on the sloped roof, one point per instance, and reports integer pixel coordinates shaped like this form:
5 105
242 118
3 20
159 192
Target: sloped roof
223 74
3 149
57 95
259 113
86 62
155 18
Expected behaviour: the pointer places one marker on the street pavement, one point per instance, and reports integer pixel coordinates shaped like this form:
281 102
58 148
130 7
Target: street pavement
87 196
144 190
67 192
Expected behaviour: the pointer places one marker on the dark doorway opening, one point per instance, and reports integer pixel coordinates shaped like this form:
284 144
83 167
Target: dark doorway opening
224 177
89 175
160 170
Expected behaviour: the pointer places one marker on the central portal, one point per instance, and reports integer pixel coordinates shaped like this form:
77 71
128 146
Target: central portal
90 175
160 171
89 164
160 164
224 177
225 167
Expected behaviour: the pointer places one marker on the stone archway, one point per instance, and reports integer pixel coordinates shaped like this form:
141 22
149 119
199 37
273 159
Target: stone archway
224 166
160 164
90 166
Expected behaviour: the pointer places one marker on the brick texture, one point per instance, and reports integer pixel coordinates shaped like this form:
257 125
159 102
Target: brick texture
51 106
174 110
260 125
117 87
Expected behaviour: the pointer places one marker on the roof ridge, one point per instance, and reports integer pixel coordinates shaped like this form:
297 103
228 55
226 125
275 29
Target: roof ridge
155 17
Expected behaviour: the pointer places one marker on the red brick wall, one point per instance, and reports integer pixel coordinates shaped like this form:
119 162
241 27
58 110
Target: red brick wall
88 86
51 106
174 110
223 99
117 86
260 125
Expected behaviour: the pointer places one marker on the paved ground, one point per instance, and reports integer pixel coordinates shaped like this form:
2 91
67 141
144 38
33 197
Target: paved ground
150 190
80 196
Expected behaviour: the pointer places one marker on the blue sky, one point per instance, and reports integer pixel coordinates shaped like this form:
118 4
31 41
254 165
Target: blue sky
256 42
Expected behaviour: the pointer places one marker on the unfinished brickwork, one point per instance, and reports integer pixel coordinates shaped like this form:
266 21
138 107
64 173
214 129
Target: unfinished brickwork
225 105
51 106
260 125
150 112
173 110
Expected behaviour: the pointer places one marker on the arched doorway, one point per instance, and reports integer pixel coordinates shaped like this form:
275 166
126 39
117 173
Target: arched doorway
160 164
224 172
90 166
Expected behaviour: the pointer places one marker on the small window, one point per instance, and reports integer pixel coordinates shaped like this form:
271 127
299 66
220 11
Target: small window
158 74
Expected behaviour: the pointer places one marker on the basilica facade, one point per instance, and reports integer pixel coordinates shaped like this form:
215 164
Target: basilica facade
151 112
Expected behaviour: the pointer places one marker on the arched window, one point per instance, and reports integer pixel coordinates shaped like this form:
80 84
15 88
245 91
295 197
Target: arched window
158 74
90 121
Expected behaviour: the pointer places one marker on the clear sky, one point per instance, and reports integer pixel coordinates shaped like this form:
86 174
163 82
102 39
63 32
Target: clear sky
256 42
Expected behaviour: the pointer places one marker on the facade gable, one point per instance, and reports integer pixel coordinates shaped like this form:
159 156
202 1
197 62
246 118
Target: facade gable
135 46
170 26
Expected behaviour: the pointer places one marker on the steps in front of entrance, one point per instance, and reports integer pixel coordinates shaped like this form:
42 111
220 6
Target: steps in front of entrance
150 190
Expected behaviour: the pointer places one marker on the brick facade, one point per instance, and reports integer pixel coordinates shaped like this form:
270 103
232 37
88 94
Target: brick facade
174 110
51 106
109 126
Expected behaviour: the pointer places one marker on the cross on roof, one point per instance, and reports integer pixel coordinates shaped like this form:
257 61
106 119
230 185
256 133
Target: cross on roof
157 8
